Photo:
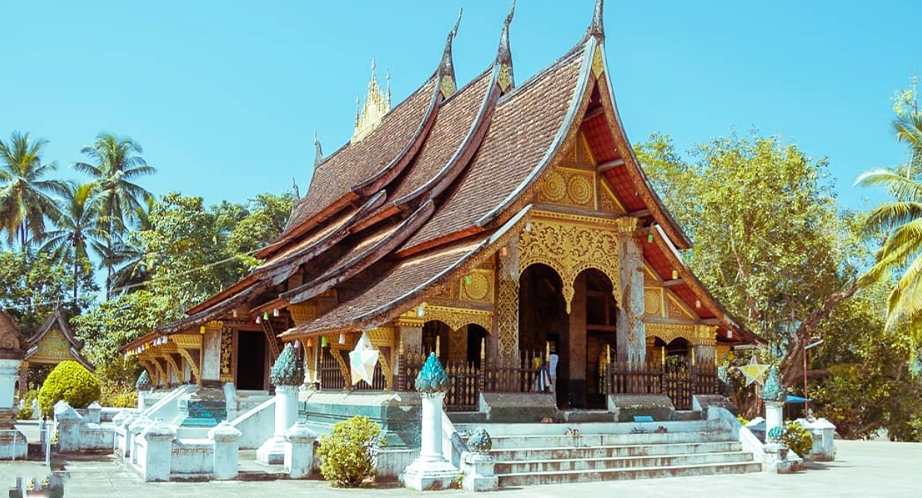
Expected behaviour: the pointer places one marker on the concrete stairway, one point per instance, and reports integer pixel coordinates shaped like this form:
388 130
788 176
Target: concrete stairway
562 453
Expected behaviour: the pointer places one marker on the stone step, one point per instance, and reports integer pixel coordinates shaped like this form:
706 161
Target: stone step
637 450
497 430
561 477
606 464
591 440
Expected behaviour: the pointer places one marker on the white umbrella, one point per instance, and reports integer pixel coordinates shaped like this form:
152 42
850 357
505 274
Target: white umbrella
362 360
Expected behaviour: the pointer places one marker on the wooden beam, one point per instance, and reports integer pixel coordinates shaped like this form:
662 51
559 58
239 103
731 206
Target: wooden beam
643 213
674 282
610 165
593 113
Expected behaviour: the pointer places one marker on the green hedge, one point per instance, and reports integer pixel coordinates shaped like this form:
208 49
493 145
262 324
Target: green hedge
71 382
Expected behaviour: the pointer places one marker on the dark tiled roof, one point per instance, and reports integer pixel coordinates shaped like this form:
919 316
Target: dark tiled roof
408 279
354 163
523 128
452 125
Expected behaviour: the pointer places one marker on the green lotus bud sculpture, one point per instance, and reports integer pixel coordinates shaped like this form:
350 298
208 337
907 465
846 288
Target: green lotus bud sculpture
773 390
432 377
288 369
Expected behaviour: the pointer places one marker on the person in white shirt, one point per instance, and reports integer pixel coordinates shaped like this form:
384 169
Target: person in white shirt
552 368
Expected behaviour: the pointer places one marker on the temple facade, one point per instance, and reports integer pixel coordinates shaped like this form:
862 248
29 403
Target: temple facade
506 226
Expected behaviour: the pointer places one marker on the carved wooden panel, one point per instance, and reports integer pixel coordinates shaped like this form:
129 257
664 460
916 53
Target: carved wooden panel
227 355
677 310
570 248
653 301
570 187
668 332
477 286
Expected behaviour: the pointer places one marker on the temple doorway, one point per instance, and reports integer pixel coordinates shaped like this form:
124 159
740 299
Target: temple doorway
601 314
251 361
544 325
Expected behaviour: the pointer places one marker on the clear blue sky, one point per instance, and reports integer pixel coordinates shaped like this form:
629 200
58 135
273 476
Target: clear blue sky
225 96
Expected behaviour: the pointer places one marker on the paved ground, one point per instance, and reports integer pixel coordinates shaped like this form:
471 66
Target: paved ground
865 469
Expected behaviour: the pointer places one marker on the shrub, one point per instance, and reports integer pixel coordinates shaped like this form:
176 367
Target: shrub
70 382
798 438
348 459
25 413
118 396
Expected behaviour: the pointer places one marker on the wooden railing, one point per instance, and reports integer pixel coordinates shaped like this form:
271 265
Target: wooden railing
654 378
331 375
468 379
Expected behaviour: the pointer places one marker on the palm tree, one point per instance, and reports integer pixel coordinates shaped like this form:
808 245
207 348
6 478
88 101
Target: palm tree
118 163
25 199
77 230
133 266
901 221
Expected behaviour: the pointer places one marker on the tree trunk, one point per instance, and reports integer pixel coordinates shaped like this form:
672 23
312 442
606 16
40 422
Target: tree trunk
792 368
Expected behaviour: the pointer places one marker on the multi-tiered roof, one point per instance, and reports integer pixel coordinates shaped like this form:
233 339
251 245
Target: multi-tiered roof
430 189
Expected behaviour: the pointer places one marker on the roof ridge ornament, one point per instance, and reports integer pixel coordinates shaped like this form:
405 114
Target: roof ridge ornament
596 27
447 68
318 154
506 79
377 105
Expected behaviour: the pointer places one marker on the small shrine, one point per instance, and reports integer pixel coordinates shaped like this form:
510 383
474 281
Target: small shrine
53 343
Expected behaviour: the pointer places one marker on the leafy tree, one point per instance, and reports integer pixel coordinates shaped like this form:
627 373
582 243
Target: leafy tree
77 231
31 287
189 252
133 265
118 163
862 374
770 243
900 219
25 198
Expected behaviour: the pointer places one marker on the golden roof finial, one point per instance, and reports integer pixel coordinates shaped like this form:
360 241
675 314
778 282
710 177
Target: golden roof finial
446 68
377 104
504 54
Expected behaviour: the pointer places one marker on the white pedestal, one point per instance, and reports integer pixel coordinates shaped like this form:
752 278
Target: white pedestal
430 470
774 416
226 450
272 452
478 472
299 453
9 374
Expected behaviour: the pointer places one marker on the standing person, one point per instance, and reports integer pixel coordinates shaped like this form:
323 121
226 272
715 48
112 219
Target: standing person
552 367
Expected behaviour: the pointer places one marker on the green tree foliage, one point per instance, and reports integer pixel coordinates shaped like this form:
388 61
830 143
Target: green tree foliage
76 231
70 382
118 164
900 220
31 287
25 197
770 242
347 452
188 252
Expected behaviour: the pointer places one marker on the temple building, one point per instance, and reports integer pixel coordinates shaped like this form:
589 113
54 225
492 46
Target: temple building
506 226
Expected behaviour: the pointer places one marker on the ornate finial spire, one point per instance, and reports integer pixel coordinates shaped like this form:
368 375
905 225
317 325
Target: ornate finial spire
772 390
447 68
595 28
504 54
288 369
387 76
377 104
432 377
318 154
294 186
